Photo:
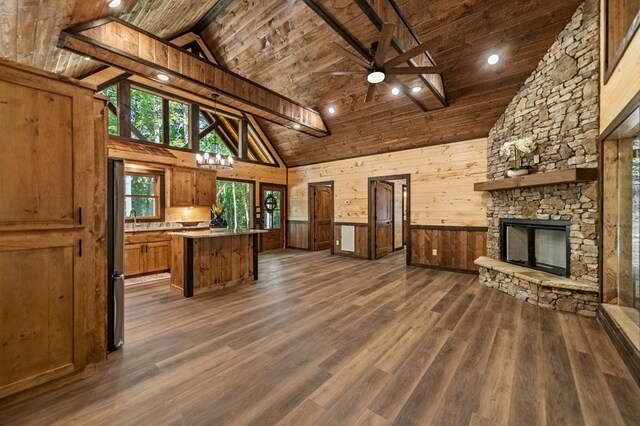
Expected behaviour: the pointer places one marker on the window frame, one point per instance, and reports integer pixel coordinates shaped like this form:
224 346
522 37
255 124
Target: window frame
158 197
613 54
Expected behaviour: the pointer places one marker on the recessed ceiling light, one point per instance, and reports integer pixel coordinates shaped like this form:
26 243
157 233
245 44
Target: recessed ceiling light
416 89
86 58
376 77
163 77
395 91
493 59
332 110
296 126
115 3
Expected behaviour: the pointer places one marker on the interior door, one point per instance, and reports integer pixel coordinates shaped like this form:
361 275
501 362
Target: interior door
272 202
322 199
383 219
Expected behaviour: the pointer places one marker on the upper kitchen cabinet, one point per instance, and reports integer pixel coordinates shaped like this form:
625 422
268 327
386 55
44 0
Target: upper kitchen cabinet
192 188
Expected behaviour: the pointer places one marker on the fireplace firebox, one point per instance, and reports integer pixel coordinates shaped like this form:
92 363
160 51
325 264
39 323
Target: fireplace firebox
537 244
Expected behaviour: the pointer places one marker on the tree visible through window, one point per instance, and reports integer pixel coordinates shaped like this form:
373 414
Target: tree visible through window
142 195
238 198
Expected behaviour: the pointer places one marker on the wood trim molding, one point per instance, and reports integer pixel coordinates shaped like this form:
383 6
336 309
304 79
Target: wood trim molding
187 71
452 228
625 348
633 104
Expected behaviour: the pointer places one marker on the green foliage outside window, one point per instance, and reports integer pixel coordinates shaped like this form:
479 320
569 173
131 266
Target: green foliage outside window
238 199
146 115
178 124
112 93
272 219
212 142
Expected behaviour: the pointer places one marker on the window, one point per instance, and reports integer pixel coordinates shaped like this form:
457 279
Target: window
238 198
112 93
146 116
178 124
623 20
143 195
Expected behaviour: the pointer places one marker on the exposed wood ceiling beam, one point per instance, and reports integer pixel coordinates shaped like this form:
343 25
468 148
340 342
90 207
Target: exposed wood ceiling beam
378 22
210 16
119 44
351 41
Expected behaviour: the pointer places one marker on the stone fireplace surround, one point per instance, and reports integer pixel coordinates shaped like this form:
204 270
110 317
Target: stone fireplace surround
558 107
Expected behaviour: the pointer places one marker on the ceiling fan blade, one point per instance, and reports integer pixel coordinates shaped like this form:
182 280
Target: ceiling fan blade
371 91
363 72
384 44
404 57
413 70
353 58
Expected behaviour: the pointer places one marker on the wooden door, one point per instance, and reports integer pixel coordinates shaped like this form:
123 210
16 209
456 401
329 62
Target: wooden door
134 259
273 207
205 188
182 188
158 256
383 219
322 200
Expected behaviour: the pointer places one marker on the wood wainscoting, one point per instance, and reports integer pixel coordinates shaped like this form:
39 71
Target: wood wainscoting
361 240
298 234
456 247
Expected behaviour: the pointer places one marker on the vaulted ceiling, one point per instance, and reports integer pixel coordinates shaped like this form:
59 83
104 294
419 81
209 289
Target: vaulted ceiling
281 43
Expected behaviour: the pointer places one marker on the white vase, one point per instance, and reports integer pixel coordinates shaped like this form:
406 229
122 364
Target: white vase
517 172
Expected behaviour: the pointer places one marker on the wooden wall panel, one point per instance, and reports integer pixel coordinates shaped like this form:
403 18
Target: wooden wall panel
624 83
361 240
298 234
442 179
455 247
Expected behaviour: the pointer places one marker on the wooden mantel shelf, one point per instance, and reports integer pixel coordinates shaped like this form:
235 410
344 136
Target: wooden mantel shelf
556 177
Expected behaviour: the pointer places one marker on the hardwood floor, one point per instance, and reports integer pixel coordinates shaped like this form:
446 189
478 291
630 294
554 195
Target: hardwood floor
331 340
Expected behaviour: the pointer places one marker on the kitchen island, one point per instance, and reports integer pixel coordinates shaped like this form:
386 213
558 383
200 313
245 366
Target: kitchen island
209 260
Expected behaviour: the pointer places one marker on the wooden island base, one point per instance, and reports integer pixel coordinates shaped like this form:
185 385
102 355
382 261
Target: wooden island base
203 261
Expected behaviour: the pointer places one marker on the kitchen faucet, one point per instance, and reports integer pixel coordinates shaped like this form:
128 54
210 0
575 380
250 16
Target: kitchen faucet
134 214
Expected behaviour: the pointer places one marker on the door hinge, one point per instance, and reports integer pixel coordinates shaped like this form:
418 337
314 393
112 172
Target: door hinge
80 215
79 248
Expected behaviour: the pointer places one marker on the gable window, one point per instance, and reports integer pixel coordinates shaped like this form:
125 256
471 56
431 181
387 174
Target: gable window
143 195
144 114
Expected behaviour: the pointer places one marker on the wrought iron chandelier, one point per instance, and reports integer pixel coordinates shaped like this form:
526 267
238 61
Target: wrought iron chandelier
214 161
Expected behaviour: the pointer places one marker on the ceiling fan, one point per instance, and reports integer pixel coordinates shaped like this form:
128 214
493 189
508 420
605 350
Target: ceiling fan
378 71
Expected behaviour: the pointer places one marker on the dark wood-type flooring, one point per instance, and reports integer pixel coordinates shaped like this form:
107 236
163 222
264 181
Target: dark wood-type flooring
330 340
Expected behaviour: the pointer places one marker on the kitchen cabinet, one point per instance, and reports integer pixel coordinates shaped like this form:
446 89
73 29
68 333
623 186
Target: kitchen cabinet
192 188
146 253
51 227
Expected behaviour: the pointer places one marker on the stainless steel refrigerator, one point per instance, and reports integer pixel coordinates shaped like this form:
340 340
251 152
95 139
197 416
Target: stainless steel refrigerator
115 253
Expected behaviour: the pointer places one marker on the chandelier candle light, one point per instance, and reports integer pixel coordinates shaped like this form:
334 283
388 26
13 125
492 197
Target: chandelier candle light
214 162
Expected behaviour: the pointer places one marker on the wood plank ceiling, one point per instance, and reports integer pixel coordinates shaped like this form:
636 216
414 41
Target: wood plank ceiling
281 43
29 29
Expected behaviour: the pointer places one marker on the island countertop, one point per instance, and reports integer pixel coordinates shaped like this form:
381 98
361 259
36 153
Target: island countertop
216 234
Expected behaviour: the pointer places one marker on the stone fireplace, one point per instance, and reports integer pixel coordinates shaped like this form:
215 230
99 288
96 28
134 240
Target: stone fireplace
558 109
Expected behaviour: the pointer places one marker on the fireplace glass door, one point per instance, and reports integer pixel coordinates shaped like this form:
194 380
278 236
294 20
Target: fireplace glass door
550 249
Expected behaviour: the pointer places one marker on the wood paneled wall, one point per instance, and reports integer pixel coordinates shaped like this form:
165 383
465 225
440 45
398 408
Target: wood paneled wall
624 83
361 240
298 234
454 247
442 179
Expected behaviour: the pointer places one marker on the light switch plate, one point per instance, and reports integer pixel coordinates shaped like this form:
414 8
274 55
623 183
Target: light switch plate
536 159
434 252
337 242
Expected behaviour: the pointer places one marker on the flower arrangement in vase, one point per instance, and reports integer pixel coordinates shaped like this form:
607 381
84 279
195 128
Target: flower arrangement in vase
218 221
518 150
